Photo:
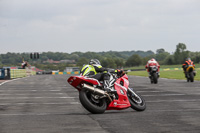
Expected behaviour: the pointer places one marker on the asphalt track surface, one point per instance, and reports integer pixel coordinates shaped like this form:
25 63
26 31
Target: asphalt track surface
48 104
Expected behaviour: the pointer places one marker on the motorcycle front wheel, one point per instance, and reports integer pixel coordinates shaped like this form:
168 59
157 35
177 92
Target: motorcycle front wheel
95 106
136 101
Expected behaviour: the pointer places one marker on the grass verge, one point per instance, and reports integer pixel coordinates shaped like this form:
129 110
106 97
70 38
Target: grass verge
170 74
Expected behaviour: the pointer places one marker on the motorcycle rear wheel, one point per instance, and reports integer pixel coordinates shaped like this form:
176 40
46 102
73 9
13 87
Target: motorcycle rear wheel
155 78
137 102
92 105
191 76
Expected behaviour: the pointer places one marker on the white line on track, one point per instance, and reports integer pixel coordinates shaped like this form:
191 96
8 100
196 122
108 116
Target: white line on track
37 97
28 94
32 114
149 91
7 81
176 110
177 100
45 114
52 90
72 103
28 90
165 95
12 80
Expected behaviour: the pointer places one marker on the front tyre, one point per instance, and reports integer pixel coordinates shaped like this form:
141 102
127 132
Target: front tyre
92 105
136 101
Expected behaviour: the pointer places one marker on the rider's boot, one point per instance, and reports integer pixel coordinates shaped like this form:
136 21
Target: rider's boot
185 74
194 73
149 75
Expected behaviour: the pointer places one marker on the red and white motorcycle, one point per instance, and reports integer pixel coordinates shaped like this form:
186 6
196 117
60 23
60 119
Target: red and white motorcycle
154 74
96 100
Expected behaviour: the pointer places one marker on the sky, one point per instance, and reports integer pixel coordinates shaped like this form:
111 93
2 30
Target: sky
98 25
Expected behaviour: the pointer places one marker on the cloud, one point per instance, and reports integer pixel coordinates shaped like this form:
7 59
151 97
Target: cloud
131 24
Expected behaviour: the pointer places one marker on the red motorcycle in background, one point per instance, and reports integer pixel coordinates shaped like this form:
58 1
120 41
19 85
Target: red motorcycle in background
96 100
154 74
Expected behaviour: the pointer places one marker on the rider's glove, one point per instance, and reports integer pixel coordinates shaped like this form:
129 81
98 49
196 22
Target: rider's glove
120 72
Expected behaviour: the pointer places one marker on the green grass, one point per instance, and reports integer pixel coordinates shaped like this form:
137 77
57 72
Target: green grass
161 66
170 74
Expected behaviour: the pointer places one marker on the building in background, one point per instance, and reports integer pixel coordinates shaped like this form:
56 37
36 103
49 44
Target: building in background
72 69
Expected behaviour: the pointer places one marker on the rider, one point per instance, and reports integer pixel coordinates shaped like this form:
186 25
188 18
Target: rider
24 64
152 62
95 70
188 62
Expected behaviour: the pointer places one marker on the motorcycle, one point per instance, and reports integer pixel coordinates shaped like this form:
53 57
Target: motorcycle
154 74
94 99
190 73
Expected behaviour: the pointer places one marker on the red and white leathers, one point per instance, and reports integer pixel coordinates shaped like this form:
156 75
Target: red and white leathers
152 62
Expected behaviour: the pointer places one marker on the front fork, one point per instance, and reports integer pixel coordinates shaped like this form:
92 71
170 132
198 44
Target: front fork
139 100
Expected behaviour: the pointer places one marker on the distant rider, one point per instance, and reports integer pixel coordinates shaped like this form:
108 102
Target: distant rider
150 63
95 70
187 63
24 64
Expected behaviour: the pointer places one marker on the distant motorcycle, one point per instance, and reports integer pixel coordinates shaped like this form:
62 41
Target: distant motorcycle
154 74
190 73
93 97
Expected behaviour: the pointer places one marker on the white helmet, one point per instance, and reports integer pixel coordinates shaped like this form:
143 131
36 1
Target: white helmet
153 59
94 62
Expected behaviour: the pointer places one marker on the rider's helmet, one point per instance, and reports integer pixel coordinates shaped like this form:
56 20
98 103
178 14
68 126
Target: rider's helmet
188 59
153 59
94 62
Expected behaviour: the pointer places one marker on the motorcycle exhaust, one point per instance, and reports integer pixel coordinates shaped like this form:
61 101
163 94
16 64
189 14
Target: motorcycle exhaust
93 89
96 90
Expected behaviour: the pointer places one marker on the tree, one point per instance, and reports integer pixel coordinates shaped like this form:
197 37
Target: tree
134 60
169 60
195 56
74 57
161 55
160 51
82 61
180 54
119 62
108 62
145 59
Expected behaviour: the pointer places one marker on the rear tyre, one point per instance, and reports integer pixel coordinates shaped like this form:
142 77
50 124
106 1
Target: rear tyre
136 101
155 78
191 76
151 79
92 105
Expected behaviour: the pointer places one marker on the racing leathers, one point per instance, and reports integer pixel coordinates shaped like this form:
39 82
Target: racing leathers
98 72
150 63
186 64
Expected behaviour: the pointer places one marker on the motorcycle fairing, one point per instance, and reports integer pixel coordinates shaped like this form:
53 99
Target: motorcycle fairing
118 105
190 68
76 81
122 101
153 64
153 68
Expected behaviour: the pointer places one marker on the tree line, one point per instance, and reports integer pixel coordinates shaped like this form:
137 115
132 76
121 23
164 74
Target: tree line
112 59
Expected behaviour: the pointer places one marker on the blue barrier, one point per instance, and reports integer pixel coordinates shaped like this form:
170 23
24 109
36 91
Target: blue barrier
2 73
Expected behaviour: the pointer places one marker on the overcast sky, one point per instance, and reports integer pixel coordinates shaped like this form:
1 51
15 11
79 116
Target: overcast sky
98 25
